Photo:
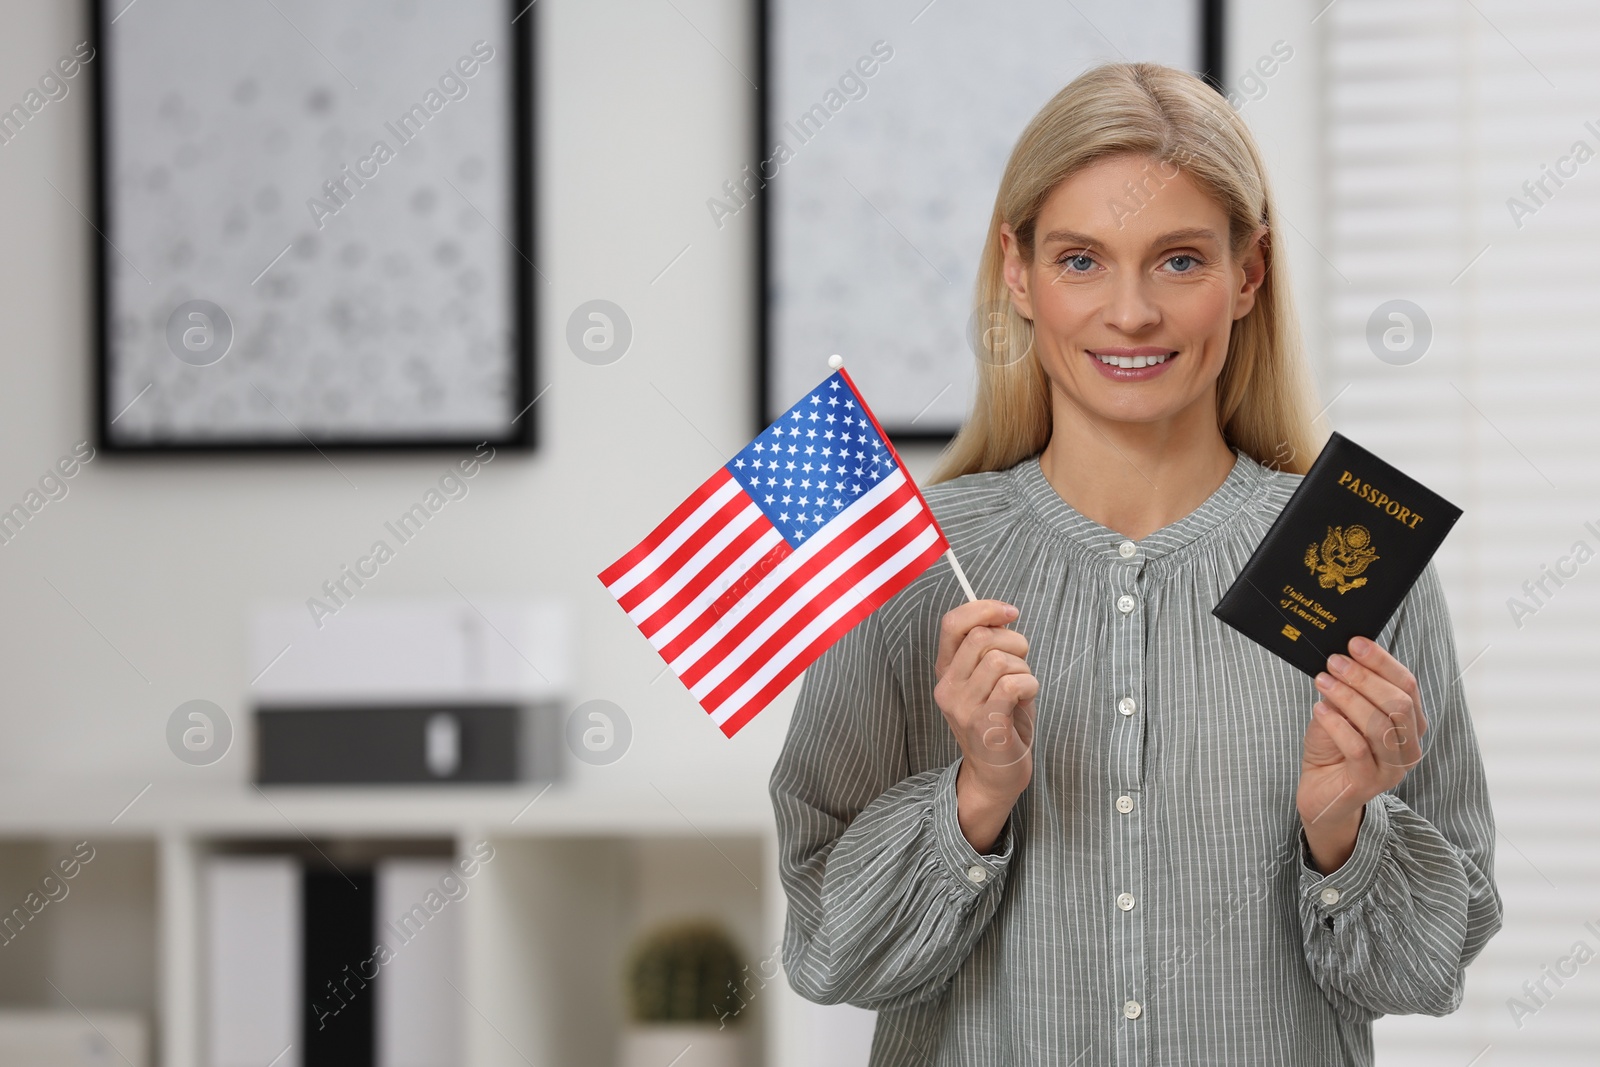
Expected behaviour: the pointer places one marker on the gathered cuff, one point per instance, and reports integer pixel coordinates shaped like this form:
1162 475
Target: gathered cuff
1330 894
974 871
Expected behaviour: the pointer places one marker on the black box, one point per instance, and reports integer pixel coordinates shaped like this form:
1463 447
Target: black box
412 744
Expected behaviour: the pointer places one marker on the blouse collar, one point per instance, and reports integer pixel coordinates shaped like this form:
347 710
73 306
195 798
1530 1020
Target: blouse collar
1241 484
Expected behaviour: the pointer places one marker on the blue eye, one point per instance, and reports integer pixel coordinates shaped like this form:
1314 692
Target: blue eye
1077 262
1186 258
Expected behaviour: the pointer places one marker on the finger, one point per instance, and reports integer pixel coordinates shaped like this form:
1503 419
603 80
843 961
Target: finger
996 664
1352 743
958 621
1373 722
1401 733
1023 718
1009 736
1377 659
983 642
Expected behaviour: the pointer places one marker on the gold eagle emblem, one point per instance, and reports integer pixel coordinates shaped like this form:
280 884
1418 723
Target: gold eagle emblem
1343 554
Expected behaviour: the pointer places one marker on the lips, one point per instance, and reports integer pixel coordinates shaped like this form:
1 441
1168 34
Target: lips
1132 364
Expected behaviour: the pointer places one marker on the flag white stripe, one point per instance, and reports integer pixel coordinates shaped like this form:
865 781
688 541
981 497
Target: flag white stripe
807 594
763 589
695 563
696 519
669 630
834 611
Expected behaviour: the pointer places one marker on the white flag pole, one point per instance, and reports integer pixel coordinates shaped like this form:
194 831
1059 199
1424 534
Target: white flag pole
836 361
966 586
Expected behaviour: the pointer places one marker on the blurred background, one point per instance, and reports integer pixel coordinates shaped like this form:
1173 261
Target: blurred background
224 759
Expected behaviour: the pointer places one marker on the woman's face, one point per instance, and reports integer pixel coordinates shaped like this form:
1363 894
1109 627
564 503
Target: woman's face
1132 296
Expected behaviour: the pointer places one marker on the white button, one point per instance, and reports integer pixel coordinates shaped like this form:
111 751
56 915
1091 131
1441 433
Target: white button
1330 896
1126 549
1124 603
1132 1010
1127 705
1124 804
976 874
1125 901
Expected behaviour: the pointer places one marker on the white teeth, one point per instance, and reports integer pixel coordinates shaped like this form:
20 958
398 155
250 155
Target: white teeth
1132 362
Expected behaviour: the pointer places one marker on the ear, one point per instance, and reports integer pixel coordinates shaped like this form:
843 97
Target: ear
1016 271
1253 268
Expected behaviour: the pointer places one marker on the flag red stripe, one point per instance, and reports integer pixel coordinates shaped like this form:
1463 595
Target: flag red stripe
880 554
730 514
664 529
849 619
851 382
715 568
791 585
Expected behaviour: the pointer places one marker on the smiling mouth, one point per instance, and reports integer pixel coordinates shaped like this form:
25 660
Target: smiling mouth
1133 362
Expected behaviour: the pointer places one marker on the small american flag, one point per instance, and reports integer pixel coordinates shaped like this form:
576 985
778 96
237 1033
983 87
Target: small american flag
800 536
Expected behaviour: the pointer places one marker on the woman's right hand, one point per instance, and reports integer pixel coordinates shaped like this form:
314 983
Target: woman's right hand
986 691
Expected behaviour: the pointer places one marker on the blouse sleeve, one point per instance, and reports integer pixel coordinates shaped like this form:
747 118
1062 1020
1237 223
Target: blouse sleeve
1392 931
886 897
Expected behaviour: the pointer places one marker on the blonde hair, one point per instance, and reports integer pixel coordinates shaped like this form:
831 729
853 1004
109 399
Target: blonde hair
1263 392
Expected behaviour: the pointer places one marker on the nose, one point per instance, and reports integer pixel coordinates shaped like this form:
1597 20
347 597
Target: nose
1129 307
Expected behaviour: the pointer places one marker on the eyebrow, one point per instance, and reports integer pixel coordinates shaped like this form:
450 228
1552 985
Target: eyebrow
1169 238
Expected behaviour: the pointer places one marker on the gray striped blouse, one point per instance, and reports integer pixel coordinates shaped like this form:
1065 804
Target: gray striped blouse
1150 900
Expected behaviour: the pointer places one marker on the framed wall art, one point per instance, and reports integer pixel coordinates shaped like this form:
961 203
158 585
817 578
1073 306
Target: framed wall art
318 224
887 124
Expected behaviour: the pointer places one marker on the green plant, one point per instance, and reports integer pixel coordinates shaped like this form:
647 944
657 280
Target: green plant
684 972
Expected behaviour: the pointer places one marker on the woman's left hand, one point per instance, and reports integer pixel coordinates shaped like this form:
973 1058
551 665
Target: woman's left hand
1365 734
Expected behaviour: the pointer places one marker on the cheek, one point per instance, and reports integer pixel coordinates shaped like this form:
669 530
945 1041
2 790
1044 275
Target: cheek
1202 310
1063 305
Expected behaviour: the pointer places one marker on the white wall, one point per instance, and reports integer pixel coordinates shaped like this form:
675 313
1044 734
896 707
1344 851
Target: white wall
643 119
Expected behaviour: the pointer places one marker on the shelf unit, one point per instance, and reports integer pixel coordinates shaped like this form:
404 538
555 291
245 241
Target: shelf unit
547 921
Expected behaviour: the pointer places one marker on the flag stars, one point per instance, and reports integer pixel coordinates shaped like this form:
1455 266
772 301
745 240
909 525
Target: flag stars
830 449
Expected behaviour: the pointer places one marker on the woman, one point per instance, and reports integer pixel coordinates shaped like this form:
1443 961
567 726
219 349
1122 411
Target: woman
1082 821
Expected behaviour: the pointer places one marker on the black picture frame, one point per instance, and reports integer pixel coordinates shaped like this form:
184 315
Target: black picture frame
522 433
1212 33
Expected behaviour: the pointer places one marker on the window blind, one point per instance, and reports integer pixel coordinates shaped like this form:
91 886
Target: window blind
1461 143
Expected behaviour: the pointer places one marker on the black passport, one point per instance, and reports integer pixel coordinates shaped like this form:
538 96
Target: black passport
1338 560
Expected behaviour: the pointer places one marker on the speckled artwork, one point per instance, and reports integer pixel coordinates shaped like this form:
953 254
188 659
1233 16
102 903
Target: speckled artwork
881 193
310 219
